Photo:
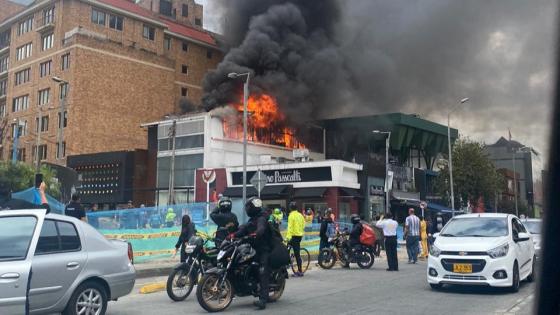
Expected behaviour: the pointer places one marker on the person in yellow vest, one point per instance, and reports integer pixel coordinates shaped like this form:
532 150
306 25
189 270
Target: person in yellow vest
424 237
170 218
294 234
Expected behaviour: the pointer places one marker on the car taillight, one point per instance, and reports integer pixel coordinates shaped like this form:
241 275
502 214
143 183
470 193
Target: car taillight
130 253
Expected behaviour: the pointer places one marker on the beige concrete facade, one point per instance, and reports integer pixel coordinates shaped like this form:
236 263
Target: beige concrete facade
117 78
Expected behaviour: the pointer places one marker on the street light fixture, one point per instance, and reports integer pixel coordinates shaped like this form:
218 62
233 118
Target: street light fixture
387 143
61 83
451 110
234 75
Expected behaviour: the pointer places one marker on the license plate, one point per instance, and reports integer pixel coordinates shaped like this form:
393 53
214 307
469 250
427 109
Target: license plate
462 268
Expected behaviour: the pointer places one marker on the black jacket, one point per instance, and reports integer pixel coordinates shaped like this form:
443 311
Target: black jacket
323 230
355 234
185 236
223 220
263 234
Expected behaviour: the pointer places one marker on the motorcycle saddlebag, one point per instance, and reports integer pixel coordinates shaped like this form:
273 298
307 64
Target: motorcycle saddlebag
279 255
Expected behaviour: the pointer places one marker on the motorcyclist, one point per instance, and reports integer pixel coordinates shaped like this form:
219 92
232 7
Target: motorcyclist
354 236
258 227
224 219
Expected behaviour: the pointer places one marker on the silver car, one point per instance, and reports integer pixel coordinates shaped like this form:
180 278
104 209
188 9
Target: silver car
53 263
534 227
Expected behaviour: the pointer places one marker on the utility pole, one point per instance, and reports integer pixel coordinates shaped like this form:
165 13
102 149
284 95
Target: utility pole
172 135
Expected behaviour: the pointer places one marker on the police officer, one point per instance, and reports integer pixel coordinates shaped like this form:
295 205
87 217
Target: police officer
258 227
224 219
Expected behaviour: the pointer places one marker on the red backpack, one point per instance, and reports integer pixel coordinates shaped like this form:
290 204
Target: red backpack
368 235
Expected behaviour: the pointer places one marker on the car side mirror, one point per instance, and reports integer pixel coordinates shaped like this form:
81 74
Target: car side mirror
521 237
436 235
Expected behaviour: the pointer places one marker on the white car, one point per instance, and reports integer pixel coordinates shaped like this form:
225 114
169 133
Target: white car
534 227
492 249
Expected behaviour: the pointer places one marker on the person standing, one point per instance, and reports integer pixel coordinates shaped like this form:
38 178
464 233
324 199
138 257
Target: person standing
412 232
389 227
188 230
75 209
424 237
327 230
170 218
294 235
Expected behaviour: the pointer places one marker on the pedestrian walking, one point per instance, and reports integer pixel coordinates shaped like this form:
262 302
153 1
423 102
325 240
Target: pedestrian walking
389 227
424 237
75 209
412 233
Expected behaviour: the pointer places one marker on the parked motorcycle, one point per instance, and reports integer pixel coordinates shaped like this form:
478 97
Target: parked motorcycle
237 274
184 276
363 255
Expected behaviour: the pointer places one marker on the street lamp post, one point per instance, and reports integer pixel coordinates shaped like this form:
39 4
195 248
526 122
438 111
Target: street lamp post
16 140
451 110
61 83
387 146
234 75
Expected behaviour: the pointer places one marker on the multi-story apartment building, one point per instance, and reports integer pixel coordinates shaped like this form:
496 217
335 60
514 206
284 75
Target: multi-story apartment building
88 73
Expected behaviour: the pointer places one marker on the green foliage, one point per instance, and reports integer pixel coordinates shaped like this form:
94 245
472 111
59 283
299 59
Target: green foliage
20 176
474 175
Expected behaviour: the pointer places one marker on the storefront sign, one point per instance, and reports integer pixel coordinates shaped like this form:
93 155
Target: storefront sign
286 176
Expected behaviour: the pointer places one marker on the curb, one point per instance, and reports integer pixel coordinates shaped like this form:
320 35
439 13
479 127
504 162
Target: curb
153 287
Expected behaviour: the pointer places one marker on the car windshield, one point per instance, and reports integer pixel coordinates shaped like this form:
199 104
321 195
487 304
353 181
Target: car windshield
15 236
476 227
534 227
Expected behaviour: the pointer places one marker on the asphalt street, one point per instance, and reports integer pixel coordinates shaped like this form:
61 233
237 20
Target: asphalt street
354 291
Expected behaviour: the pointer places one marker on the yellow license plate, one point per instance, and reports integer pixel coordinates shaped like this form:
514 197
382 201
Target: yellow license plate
462 268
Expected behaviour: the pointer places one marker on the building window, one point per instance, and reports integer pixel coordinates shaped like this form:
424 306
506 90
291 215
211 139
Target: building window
22 76
198 22
45 68
20 154
58 155
42 152
185 46
97 17
185 10
209 54
184 69
116 22
25 26
63 90
65 62
3 88
48 41
184 92
3 112
4 62
44 124
24 51
167 42
5 38
20 103
149 32
165 7
44 96
21 128
48 16
64 121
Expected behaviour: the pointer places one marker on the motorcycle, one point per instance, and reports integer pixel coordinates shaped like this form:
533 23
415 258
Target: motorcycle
362 255
184 276
237 274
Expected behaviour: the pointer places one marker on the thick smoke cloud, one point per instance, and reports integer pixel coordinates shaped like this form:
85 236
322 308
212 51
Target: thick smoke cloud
341 58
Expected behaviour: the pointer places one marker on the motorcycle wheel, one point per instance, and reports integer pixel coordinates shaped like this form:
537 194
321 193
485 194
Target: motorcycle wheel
364 259
179 285
280 282
210 297
326 258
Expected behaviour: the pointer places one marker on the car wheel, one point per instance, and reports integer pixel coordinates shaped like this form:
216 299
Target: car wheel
436 286
89 298
533 274
515 281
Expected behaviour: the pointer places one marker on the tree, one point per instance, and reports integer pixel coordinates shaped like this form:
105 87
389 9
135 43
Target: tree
20 176
474 175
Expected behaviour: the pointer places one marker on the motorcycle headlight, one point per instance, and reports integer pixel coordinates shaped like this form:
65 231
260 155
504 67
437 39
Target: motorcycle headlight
499 251
434 251
221 254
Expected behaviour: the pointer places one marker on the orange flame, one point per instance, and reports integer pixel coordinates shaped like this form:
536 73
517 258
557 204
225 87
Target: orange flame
265 124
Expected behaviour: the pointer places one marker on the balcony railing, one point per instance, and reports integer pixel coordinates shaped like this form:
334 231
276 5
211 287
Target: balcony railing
45 23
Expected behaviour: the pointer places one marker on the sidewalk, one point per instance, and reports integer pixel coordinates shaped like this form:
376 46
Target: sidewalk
163 267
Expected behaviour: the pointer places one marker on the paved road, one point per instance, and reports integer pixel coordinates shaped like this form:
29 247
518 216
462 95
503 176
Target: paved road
353 291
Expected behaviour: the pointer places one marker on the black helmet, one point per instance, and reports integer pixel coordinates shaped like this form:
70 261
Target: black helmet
224 204
354 218
293 206
253 207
